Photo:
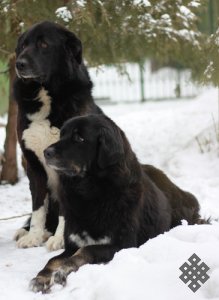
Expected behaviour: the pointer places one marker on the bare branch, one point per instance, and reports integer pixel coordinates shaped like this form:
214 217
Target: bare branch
5 71
4 51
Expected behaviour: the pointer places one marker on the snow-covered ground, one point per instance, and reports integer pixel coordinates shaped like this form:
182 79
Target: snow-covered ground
163 134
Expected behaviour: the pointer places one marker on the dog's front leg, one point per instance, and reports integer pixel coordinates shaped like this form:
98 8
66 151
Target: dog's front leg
37 233
56 241
45 278
57 269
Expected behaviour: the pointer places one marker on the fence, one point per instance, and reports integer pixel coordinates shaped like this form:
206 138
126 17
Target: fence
141 84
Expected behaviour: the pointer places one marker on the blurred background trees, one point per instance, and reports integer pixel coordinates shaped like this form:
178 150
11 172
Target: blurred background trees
180 33
112 31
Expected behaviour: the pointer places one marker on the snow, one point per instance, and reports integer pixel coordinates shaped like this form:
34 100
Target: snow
167 19
178 26
194 4
164 134
63 13
186 12
145 2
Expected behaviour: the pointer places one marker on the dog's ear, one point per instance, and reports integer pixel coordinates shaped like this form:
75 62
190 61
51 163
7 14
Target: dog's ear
111 148
74 45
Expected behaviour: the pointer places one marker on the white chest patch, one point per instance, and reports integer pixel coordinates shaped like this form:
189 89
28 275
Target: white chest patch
85 240
39 135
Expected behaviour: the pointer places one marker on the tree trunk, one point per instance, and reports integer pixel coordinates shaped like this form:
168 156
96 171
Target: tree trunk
9 167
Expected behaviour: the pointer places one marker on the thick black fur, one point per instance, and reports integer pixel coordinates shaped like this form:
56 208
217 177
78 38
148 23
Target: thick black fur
107 193
50 57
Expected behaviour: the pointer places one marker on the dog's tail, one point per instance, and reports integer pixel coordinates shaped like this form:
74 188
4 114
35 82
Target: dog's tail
201 221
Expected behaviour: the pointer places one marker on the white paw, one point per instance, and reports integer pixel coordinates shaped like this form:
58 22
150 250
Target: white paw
33 239
40 284
55 242
60 277
19 233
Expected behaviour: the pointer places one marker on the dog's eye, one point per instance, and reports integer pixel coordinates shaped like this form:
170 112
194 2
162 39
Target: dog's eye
78 138
43 45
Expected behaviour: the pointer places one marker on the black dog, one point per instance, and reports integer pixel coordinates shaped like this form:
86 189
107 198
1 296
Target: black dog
110 201
52 85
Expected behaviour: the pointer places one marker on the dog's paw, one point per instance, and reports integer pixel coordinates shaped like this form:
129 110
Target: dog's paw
59 277
20 233
55 242
33 239
40 284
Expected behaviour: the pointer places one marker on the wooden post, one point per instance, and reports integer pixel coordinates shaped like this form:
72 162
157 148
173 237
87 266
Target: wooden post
9 168
211 16
141 72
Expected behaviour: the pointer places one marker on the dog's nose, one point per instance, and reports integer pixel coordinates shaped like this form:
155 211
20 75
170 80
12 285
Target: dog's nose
21 64
49 153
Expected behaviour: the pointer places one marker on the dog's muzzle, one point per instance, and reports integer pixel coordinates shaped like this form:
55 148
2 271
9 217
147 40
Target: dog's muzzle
23 70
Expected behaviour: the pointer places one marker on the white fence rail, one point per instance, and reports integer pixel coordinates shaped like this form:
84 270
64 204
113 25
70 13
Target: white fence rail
141 84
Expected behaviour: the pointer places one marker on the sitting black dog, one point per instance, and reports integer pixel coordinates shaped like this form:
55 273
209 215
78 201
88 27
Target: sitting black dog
110 201
52 86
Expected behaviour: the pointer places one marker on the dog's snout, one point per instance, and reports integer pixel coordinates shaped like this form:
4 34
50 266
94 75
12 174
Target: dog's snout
21 64
49 153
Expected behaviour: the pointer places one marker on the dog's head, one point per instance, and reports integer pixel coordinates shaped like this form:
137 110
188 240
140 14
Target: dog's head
86 143
45 50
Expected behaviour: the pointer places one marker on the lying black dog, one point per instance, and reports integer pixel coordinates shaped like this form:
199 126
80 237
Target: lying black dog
110 201
52 85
